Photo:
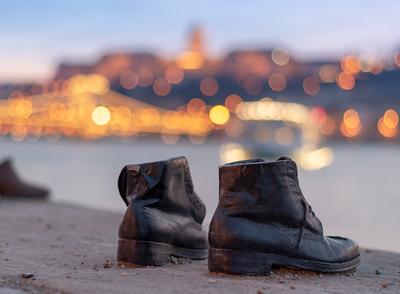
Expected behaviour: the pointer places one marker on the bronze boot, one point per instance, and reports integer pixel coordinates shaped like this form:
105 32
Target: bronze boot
11 186
164 215
263 219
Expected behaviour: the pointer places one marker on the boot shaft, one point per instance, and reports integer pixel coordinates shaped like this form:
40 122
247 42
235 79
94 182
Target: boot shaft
166 184
265 192
162 208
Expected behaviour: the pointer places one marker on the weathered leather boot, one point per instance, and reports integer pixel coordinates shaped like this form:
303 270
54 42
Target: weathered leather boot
164 214
11 186
263 219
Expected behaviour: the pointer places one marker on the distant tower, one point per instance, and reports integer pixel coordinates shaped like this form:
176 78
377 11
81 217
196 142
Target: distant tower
194 57
197 40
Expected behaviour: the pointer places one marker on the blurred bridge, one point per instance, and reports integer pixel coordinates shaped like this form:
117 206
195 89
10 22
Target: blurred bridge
85 107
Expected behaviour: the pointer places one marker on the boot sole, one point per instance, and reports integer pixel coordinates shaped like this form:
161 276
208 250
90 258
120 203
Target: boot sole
147 253
23 197
260 264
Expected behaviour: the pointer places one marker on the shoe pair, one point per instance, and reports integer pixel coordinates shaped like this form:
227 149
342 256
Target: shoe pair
262 219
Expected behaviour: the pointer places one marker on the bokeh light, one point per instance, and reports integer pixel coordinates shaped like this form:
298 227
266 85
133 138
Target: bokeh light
101 115
327 73
233 152
174 74
232 101
280 56
311 86
388 124
170 138
209 86
328 127
345 81
20 107
219 115
351 124
128 80
391 118
351 64
161 87
145 77
196 105
148 116
57 111
277 82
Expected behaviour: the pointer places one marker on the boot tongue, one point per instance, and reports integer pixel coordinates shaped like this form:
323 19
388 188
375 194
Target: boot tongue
247 161
284 158
291 164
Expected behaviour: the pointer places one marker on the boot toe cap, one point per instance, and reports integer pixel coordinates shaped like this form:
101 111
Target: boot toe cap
347 249
41 193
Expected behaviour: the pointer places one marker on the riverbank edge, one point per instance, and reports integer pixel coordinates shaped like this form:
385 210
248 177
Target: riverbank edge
50 247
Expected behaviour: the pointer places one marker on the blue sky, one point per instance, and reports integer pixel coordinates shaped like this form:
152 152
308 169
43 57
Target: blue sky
36 35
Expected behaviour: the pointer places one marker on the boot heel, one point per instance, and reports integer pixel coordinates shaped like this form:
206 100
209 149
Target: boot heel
239 263
144 253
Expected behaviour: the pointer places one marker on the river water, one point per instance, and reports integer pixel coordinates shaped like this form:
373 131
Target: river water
358 196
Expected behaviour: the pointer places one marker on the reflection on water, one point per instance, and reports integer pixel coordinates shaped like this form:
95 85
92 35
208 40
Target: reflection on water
308 156
356 196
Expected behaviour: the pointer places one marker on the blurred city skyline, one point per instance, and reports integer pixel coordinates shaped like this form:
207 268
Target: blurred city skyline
37 36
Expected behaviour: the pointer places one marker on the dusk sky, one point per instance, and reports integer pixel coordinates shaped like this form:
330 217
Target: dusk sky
36 35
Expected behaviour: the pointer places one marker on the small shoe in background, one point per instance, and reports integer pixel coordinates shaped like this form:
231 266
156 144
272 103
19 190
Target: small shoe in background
13 187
